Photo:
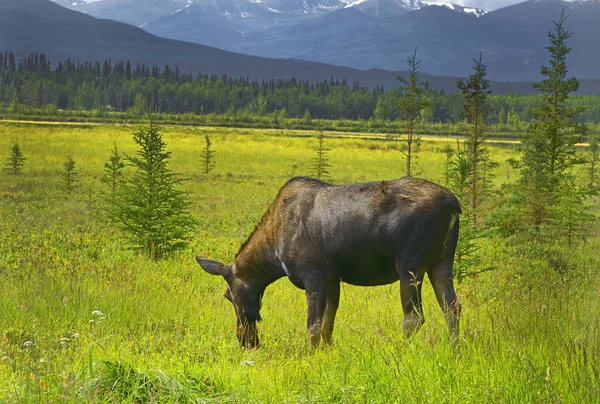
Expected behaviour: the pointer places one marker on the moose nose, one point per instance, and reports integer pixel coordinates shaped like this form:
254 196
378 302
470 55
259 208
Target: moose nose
249 341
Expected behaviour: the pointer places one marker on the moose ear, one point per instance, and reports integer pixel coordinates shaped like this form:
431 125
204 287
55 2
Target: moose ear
214 267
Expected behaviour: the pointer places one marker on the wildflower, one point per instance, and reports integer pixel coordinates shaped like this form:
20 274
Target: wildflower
96 313
28 344
64 341
75 335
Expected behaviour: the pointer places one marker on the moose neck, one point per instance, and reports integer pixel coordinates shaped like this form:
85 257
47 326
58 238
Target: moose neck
258 266
256 261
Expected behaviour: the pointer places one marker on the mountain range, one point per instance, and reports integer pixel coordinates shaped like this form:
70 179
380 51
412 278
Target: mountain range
368 34
28 26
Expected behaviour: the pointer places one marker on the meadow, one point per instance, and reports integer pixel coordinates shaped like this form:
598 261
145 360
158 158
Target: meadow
85 319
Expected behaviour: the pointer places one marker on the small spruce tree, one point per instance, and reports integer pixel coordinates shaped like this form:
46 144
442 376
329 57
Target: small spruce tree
449 152
571 216
475 92
307 117
594 159
113 173
413 100
149 208
207 155
321 164
548 148
69 175
15 161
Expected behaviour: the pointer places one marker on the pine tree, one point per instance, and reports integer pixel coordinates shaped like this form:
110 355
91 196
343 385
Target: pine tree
113 173
548 148
594 159
149 208
571 216
207 155
307 117
69 175
475 91
15 161
413 100
321 164
460 173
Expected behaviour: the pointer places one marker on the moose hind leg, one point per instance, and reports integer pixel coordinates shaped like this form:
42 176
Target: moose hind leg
333 301
441 279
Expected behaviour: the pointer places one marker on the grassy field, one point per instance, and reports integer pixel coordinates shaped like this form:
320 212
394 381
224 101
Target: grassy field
82 318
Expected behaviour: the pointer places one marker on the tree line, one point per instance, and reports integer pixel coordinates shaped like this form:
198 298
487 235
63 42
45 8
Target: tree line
124 87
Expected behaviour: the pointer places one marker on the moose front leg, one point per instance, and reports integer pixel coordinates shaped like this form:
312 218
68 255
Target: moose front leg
317 301
410 294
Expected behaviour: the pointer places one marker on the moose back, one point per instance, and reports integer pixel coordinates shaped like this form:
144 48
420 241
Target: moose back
318 235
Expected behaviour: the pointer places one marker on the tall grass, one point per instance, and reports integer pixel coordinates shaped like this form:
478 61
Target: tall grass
82 318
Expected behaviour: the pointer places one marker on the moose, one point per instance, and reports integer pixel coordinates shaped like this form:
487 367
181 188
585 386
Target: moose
366 234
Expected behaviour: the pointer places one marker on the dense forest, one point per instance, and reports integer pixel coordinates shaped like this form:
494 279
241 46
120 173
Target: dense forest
123 87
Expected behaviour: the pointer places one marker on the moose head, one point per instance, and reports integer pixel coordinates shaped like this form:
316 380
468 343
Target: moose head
245 297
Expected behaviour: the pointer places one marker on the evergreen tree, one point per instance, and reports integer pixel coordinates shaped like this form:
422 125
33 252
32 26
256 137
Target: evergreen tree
549 146
570 214
207 155
594 159
69 175
15 161
413 100
149 208
113 173
321 164
467 261
475 91
307 117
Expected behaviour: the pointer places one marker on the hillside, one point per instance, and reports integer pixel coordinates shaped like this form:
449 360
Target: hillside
28 26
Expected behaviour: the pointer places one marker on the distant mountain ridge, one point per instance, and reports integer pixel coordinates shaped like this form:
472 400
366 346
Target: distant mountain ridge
142 12
28 26
378 34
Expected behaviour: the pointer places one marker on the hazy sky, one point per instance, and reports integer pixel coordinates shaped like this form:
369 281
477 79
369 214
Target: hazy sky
486 4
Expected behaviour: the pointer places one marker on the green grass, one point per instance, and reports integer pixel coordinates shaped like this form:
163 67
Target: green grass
82 318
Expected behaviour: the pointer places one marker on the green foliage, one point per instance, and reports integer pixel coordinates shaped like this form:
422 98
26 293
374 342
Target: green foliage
15 161
76 92
459 172
475 91
140 106
69 175
412 102
121 382
449 153
208 158
571 216
594 160
307 117
549 146
321 165
149 208
113 173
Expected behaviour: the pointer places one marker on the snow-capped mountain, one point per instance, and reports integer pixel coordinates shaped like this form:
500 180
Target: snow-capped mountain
145 12
477 12
368 34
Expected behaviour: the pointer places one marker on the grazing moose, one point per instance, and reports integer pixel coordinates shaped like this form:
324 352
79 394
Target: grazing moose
319 235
